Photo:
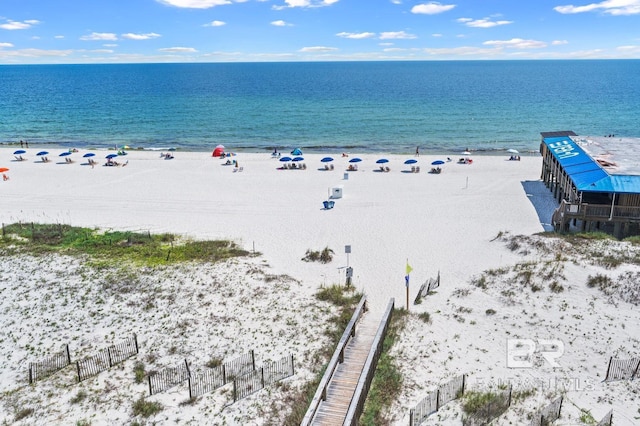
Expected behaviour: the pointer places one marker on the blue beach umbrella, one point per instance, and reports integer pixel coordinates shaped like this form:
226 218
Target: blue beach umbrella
88 154
285 159
411 161
20 152
355 160
382 161
326 160
111 156
41 153
437 162
64 154
298 159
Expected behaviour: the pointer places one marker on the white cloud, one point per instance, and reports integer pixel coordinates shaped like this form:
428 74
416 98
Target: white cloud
195 4
102 51
131 36
559 42
436 35
110 45
610 7
59 37
99 36
35 53
280 23
482 23
389 35
431 8
516 43
178 49
215 24
317 49
5 45
357 36
15 25
305 3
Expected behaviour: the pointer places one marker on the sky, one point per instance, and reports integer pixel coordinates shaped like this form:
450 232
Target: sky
135 31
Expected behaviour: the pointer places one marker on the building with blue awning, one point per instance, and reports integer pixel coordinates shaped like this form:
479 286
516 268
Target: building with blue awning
595 180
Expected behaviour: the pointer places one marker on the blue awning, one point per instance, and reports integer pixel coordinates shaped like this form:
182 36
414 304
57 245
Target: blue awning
586 173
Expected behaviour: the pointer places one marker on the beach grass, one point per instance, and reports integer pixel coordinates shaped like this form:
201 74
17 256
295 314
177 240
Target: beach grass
145 249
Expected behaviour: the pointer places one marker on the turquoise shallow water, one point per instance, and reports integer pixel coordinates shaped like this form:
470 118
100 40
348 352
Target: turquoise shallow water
338 106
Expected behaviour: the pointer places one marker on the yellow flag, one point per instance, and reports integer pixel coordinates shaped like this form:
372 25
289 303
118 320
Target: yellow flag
409 268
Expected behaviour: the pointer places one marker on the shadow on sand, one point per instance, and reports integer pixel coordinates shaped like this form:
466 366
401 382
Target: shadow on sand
542 200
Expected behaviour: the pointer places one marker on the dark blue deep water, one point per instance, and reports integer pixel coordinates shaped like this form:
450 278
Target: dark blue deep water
336 106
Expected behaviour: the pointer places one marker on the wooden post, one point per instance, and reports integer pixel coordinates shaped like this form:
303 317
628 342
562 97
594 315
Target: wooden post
135 340
411 417
292 367
109 355
78 368
186 364
150 392
224 374
68 354
635 373
262 377
253 361
189 383
606 377
438 399
30 373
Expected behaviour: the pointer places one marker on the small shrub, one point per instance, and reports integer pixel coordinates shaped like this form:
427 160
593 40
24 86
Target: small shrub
556 287
80 396
146 408
425 316
324 256
138 370
490 311
23 413
213 362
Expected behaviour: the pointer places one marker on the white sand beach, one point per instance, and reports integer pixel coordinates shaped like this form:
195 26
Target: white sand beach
459 223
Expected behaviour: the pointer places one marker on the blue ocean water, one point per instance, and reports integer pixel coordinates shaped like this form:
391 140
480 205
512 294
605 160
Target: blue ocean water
329 106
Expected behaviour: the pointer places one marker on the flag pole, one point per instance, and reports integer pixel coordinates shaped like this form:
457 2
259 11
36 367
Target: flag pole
407 279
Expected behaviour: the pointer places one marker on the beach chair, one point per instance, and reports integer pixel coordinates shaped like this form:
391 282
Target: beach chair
417 169
326 167
5 177
382 168
19 158
413 169
304 166
331 166
387 169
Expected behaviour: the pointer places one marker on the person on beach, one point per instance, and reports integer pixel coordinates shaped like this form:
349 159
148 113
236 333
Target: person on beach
21 144
417 151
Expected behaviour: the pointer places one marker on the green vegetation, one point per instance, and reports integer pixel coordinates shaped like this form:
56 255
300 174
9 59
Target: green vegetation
387 381
146 408
145 249
80 396
139 372
425 316
346 300
324 256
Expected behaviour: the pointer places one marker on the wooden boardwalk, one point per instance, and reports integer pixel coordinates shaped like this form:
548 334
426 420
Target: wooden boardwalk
333 410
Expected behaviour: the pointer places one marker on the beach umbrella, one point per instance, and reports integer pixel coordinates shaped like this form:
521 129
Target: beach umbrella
3 169
437 163
41 153
382 161
355 160
296 151
64 154
285 159
88 154
111 156
20 152
466 153
327 160
513 151
298 159
411 161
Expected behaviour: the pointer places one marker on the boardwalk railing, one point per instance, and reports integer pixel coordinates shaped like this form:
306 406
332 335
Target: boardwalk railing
106 358
622 369
337 358
368 371
40 369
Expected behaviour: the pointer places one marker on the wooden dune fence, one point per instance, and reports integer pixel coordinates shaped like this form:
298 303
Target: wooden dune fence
208 379
428 286
548 414
489 411
256 380
622 369
168 377
436 399
607 420
40 369
107 358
